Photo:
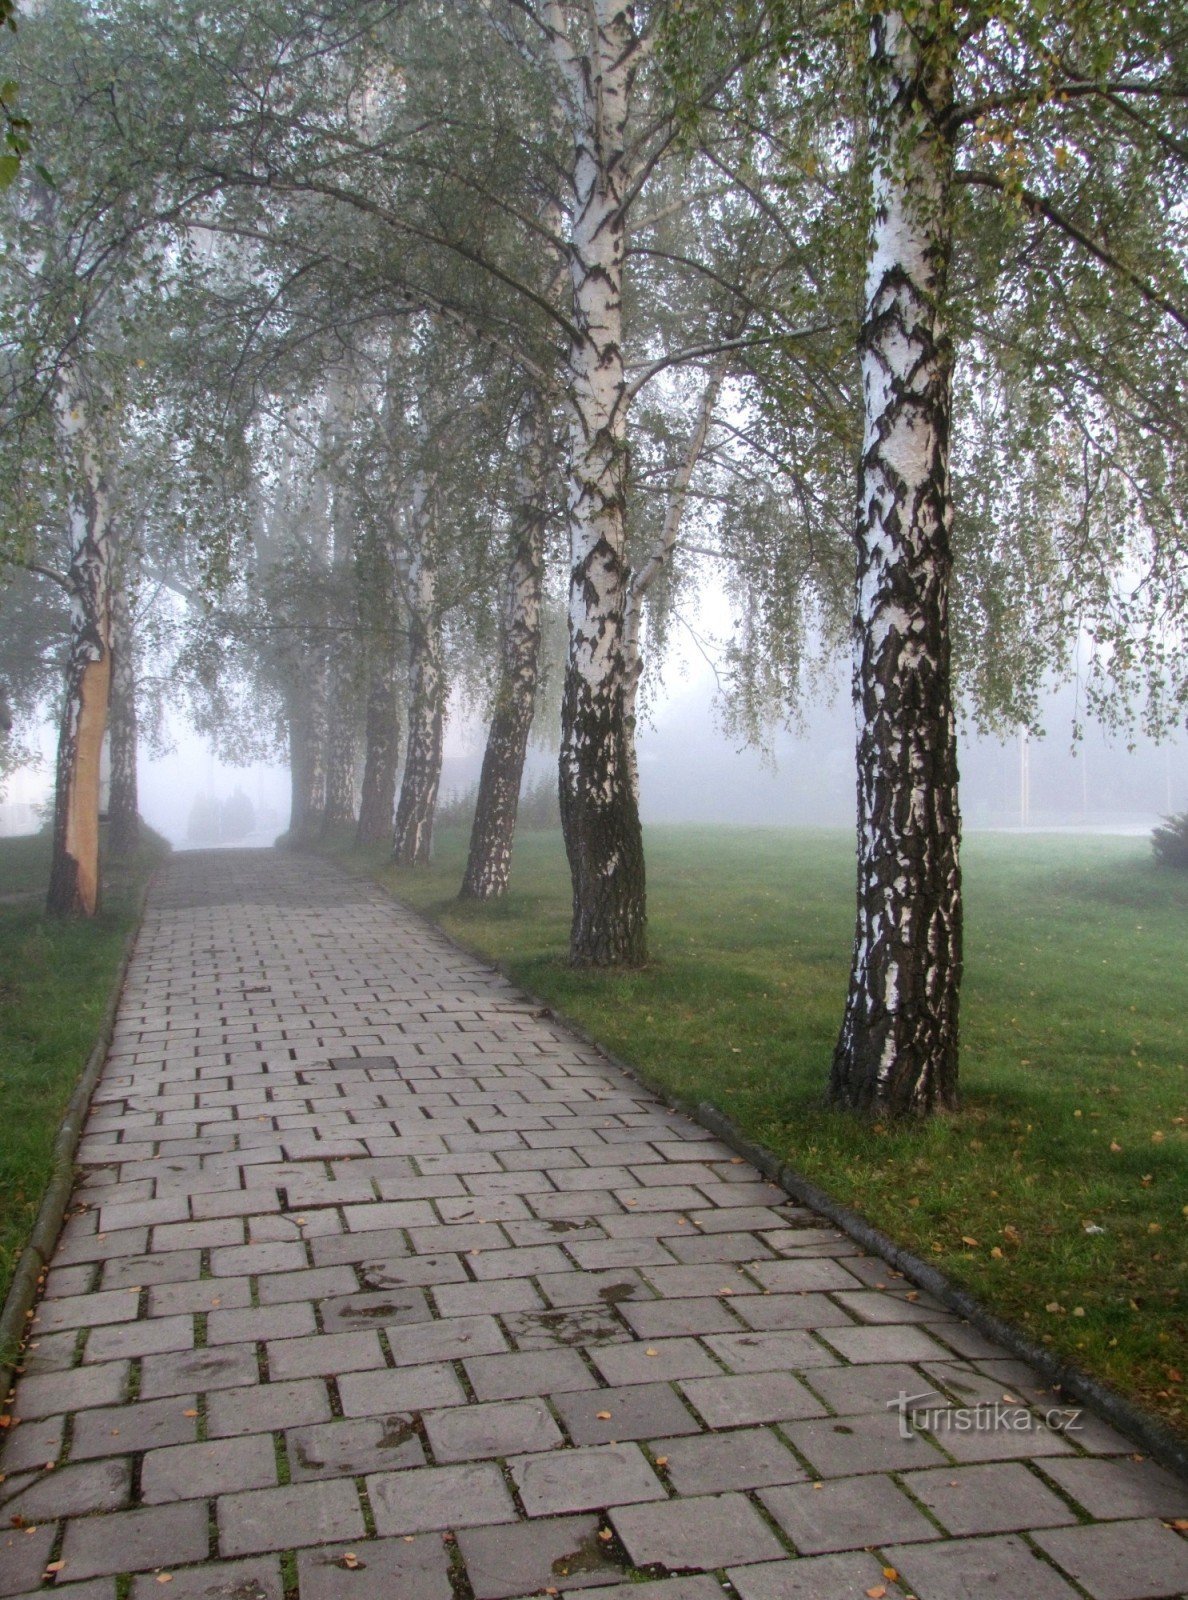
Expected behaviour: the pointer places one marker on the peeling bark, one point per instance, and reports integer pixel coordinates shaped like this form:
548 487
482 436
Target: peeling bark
74 887
308 731
382 755
897 1051
413 838
488 865
342 740
123 807
599 813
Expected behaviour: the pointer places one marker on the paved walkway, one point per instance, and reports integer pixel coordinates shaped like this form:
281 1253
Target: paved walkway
381 1286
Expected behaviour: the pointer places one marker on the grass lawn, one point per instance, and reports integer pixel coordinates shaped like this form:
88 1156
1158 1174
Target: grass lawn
1074 1072
55 980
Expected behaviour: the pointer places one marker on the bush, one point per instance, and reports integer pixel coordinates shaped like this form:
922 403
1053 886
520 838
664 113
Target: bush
1170 842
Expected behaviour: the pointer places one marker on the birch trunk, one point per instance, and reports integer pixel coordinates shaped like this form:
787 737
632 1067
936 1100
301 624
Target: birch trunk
123 807
342 733
599 813
413 840
74 887
488 866
382 756
659 554
898 1046
307 748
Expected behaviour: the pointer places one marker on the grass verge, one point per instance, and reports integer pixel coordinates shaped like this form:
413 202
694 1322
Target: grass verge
55 981
1058 1194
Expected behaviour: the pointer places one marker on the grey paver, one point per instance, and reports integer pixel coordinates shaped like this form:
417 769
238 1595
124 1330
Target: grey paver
1121 1560
843 1577
734 1401
135 1541
440 1497
582 1479
1001 1497
703 1531
635 1411
839 1447
23 1555
283 1519
380 1569
1121 1488
971 1569
526 1558
510 1427
405 1390
219 1466
742 1458
68 1491
846 1514
266 1407
256 1579
352 1447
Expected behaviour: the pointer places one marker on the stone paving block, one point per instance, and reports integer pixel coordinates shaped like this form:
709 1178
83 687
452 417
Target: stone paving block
68 1491
652 1361
392 1272
636 1411
240 1325
1121 1560
659 1319
382 1569
136 1541
728 1402
324 1355
447 1339
883 1344
868 1305
479 1299
527 1372
528 1557
387 1308
971 1569
227 1366
792 1277
709 1247
149 1336
841 1447
85 1311
1001 1498
32 1444
403 1390
845 1577
247 1260
587 1326
284 1519
724 1280
871 1388
1110 1489
257 1579
846 1514
583 1479
704 1531
314 1283
45 1394
353 1447
505 1428
203 1294
23 1555
613 1287
266 1407
795 1350
220 1466
743 1458
440 1497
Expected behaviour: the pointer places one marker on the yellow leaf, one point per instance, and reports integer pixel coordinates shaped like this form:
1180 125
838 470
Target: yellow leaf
604 1416
966 1239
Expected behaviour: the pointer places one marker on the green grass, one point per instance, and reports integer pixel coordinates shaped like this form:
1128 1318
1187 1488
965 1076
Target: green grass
1074 1044
55 980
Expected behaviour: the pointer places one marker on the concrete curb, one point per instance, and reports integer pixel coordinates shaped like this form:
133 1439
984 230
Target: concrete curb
1150 1435
43 1239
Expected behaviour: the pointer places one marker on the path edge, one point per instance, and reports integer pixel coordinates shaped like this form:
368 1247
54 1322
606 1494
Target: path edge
51 1214
1151 1435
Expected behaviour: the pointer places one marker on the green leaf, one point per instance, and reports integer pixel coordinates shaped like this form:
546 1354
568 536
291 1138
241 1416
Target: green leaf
10 167
9 89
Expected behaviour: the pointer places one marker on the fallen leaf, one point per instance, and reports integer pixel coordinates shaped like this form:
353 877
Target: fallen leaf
603 1416
661 1461
996 1253
605 1535
971 1242
1181 1524
55 1566
190 1413
164 1577
877 1593
5 1421
350 1560
1115 1148
890 1574
651 1351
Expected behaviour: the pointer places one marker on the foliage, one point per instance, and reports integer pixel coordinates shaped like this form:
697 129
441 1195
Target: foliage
1170 842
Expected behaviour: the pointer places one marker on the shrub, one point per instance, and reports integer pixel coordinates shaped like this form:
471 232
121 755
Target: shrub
1170 842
